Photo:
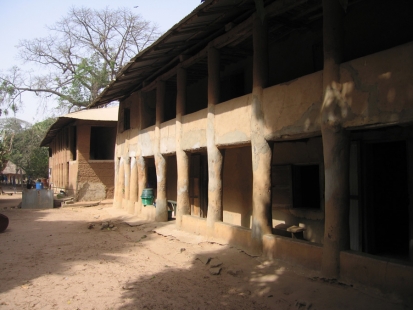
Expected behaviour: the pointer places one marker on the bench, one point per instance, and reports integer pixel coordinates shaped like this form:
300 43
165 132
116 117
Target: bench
172 206
291 231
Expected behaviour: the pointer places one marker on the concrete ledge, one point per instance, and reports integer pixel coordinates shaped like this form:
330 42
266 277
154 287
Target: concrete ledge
390 276
196 225
234 235
237 236
296 251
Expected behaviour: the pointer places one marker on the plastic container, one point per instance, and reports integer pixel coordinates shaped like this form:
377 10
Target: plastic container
39 185
147 196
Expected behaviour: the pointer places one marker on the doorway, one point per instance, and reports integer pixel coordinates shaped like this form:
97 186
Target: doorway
386 200
198 185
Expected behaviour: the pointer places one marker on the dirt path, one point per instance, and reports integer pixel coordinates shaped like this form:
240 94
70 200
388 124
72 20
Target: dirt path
49 259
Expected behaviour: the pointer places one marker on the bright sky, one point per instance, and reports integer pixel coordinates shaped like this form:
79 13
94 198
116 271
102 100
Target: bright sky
27 19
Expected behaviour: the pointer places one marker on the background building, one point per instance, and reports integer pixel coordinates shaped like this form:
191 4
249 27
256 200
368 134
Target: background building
82 148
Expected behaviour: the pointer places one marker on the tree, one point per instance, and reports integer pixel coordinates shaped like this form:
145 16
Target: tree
6 143
83 53
9 127
27 153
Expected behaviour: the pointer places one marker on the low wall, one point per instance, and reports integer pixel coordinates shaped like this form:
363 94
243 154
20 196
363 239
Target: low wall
193 224
390 276
235 235
37 199
231 234
296 251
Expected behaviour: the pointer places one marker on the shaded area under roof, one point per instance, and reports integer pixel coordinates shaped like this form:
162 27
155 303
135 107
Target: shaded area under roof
208 21
103 114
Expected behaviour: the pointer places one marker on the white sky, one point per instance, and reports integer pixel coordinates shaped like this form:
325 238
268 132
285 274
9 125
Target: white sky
27 19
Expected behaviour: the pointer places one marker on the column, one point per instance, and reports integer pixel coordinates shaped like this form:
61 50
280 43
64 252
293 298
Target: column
261 150
134 187
142 179
214 155
125 201
410 182
116 180
182 162
161 214
121 183
336 146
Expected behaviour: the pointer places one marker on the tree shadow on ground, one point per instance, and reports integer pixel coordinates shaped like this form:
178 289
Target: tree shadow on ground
244 282
34 245
57 262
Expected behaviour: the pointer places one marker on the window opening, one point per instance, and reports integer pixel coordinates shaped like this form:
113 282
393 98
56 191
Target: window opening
126 119
306 186
102 143
296 186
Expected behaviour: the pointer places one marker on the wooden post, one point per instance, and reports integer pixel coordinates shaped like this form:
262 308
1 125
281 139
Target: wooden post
336 145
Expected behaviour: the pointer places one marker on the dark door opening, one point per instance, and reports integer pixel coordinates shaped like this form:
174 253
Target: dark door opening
386 217
198 185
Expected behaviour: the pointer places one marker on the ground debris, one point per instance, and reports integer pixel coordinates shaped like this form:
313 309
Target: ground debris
215 271
303 305
215 262
234 272
204 259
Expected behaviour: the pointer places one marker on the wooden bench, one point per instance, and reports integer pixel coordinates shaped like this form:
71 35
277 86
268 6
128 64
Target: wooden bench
172 206
291 231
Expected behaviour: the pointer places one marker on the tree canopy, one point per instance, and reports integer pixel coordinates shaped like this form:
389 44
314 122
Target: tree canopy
26 152
83 53
9 127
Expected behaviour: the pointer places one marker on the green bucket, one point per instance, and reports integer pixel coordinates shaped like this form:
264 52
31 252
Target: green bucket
147 196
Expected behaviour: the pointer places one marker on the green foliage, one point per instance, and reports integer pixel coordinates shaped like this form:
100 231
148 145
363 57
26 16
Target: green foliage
5 148
26 152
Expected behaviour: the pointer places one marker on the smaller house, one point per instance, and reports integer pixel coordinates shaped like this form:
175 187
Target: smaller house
11 174
81 153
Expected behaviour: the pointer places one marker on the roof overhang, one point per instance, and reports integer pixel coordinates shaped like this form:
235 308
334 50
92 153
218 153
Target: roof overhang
102 114
223 23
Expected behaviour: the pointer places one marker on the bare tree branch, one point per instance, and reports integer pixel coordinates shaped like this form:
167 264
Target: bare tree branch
83 53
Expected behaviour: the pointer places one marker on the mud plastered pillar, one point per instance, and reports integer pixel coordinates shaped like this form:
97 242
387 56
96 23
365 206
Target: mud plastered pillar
260 148
121 182
161 214
142 180
410 178
336 143
116 182
182 160
125 202
133 188
215 157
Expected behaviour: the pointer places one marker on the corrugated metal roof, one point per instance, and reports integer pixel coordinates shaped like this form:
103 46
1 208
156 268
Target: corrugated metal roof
102 114
189 36
209 21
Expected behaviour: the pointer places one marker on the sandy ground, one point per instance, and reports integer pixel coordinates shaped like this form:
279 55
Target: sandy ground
50 259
